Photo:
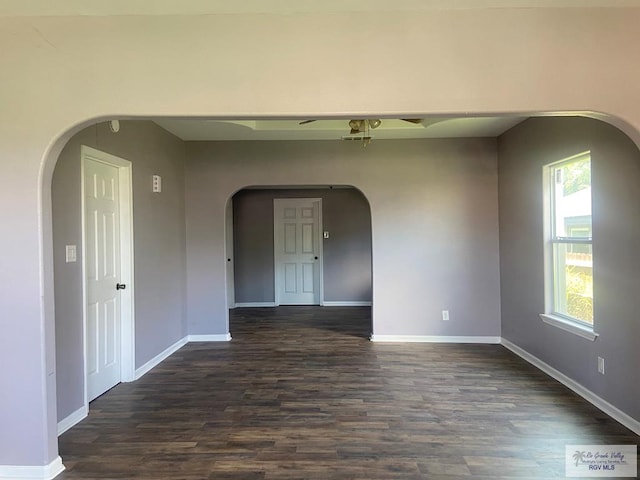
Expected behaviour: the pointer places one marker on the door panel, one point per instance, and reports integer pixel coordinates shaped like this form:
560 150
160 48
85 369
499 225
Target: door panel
92 338
290 281
308 284
307 238
290 238
297 251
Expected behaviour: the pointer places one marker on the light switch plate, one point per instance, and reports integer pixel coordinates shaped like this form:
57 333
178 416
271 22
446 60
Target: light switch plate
71 253
326 235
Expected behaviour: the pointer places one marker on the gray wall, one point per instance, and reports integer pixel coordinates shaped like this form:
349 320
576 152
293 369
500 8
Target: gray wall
434 222
616 239
159 236
347 251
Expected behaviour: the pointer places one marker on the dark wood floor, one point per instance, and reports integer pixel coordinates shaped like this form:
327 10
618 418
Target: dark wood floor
300 393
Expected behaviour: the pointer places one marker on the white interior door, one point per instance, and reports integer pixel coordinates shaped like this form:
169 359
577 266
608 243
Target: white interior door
103 273
231 296
298 251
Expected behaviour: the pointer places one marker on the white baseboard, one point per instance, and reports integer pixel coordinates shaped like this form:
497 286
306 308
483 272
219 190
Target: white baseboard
324 304
346 304
433 339
19 472
160 357
83 411
72 419
177 346
225 337
614 412
255 304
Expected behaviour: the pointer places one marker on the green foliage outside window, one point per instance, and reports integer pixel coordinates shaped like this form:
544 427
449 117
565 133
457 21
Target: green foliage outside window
580 293
577 176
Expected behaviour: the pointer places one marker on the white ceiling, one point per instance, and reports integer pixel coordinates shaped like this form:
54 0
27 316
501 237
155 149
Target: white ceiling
442 127
213 7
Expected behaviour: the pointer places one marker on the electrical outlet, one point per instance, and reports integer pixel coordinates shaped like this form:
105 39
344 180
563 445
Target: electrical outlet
445 315
156 183
601 365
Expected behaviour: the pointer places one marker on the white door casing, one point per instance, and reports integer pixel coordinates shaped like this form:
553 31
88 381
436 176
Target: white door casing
107 261
298 251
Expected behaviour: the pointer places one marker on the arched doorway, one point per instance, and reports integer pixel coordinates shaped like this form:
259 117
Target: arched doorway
205 232
344 236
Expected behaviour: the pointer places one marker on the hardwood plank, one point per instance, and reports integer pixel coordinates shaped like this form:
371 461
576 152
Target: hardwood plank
300 393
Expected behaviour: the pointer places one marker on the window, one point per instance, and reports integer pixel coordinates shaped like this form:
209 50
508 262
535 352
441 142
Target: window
568 249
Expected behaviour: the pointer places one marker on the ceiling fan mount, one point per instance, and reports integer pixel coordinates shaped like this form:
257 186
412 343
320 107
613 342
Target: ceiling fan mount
363 125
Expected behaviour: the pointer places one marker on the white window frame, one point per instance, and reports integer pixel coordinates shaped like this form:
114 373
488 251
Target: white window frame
551 280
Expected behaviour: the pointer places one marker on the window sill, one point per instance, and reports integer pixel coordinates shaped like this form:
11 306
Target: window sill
569 326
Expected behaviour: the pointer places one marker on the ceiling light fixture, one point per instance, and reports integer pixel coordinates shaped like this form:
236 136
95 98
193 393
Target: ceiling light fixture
375 123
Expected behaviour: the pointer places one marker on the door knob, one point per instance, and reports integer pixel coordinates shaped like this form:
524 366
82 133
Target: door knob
315 258
120 286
